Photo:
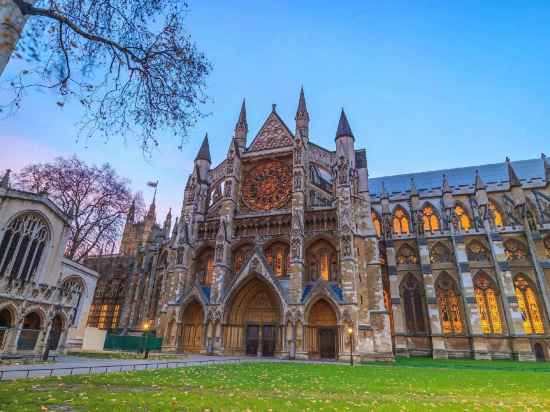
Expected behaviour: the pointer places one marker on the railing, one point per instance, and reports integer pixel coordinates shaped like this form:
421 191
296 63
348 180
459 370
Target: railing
51 371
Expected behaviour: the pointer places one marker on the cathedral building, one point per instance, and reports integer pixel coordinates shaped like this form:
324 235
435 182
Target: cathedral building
289 249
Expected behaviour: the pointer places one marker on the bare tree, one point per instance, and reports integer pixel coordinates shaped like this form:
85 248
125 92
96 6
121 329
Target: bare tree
96 197
130 63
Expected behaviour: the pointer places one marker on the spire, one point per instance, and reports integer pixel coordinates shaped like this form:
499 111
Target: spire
151 214
242 123
480 184
131 212
383 193
5 182
512 176
414 191
204 151
446 188
546 166
343 126
168 223
301 112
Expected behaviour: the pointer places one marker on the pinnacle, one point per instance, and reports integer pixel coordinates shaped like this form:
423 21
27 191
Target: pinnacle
302 112
512 176
204 151
343 126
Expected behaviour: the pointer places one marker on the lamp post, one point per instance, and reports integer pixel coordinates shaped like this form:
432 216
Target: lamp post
145 330
350 333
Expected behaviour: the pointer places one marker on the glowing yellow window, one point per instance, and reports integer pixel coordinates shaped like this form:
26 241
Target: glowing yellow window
279 262
400 222
376 223
528 304
495 215
103 316
487 304
325 267
430 220
209 272
463 218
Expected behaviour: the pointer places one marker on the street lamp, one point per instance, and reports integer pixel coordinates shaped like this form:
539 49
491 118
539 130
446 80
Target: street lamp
145 329
350 333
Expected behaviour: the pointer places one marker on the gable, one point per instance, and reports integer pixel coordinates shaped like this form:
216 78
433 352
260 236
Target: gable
274 134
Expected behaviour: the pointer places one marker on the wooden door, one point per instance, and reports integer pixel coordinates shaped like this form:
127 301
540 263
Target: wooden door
252 339
327 343
268 340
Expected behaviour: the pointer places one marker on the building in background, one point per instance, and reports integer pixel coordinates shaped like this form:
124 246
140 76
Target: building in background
289 249
44 297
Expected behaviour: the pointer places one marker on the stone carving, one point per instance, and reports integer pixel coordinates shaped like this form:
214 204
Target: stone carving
267 186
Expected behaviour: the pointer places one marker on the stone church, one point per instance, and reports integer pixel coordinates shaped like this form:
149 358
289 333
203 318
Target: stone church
289 249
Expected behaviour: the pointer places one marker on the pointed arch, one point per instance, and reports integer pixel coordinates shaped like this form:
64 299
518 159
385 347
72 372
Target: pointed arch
278 257
406 255
529 304
240 255
321 262
440 253
192 326
401 221
463 218
376 223
515 250
488 304
414 306
477 252
322 337
33 324
430 218
204 265
449 303
495 214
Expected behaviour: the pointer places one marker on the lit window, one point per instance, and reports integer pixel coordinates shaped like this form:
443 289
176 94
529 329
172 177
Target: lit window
487 304
102 322
449 305
400 222
528 304
430 219
116 316
406 256
325 266
376 223
514 250
495 215
278 258
463 218
411 290
209 271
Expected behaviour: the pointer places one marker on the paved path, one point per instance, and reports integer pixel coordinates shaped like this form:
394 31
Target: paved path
74 365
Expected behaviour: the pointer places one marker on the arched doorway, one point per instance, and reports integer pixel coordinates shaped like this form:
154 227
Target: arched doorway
253 321
322 331
55 332
192 331
32 325
539 352
6 322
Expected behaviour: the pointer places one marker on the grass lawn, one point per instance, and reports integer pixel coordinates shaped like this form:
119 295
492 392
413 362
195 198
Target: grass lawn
410 384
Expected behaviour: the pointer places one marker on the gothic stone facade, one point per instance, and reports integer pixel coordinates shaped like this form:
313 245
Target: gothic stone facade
288 249
44 297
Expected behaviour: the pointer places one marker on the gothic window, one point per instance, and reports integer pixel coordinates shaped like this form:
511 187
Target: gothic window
400 222
406 256
440 253
546 242
463 218
179 256
205 266
321 177
22 246
529 305
487 304
277 257
240 256
322 261
514 250
376 223
430 220
477 252
495 214
448 300
413 304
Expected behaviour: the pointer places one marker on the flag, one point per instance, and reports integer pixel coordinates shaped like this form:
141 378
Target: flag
153 184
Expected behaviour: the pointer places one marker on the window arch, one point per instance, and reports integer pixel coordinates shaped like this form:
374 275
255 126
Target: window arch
205 266
376 223
495 214
463 218
23 245
406 255
413 304
322 261
440 253
529 305
401 225
515 250
487 304
278 258
430 219
477 252
448 300
240 256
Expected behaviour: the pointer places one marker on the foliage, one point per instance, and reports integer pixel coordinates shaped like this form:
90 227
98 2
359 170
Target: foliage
286 386
95 197
130 63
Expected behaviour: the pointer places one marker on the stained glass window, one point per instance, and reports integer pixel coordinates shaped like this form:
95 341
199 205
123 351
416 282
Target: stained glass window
406 256
321 261
240 256
528 304
102 322
477 252
487 304
413 304
515 250
376 223
448 301
440 253
430 219
463 218
400 222
205 266
495 214
277 257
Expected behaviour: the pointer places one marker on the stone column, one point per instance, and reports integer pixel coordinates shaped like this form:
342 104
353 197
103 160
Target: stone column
400 330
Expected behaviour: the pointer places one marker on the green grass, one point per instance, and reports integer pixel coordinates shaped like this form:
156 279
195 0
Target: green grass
410 384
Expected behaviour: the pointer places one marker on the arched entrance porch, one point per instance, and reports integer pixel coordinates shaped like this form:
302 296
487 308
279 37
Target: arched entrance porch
6 323
192 328
32 326
253 322
55 332
321 340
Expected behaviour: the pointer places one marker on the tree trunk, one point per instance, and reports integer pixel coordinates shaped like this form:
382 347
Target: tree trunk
12 23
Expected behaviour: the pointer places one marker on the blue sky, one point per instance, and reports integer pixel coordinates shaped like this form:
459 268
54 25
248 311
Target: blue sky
426 85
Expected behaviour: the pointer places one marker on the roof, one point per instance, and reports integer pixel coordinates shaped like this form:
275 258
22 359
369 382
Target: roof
204 151
528 171
343 126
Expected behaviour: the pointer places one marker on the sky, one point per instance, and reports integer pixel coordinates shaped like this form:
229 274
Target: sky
426 85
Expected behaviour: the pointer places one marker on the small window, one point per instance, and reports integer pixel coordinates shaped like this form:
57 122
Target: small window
400 222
